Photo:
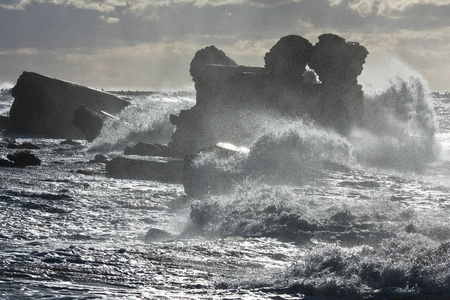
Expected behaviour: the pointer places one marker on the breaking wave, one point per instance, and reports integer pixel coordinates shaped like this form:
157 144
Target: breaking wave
146 119
399 128
295 152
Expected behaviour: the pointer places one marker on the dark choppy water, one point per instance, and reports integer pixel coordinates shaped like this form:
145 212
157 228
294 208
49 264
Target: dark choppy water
373 221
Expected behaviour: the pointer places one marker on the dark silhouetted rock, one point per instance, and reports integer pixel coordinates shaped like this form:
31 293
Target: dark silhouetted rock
232 100
205 78
85 172
4 123
336 61
45 106
24 145
146 149
24 158
157 235
147 168
6 163
88 121
223 89
287 60
338 64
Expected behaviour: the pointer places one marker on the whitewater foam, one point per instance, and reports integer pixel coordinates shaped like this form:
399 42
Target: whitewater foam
146 119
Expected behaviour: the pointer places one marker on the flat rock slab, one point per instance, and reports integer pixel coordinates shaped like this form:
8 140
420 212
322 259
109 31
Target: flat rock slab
45 106
157 168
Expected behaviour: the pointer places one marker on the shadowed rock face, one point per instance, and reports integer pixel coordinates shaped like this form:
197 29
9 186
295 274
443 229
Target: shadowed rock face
231 98
89 122
287 60
45 106
337 62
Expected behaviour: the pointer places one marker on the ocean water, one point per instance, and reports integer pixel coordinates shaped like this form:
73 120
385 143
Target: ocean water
304 214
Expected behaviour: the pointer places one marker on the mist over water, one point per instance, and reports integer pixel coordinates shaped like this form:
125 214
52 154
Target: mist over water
399 121
146 119
6 85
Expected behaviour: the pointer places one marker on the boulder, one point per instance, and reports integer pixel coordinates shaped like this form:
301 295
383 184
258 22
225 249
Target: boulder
23 159
45 106
146 168
157 235
6 163
145 149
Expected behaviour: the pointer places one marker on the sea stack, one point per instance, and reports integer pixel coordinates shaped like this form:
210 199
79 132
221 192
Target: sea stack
299 80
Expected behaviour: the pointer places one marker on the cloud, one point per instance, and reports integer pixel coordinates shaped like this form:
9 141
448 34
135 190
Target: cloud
335 2
14 4
109 20
103 6
363 7
392 8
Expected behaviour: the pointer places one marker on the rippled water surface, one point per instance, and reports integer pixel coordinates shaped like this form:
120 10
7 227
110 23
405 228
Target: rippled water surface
352 230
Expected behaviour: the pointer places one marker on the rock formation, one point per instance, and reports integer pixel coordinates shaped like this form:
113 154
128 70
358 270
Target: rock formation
298 80
20 159
4 123
45 106
148 168
89 122
145 149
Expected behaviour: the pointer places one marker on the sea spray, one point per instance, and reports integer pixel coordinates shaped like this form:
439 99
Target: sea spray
406 265
296 151
290 153
145 120
399 124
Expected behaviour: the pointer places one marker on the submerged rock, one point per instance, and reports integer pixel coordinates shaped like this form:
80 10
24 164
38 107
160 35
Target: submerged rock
24 145
6 163
70 142
157 235
22 159
45 106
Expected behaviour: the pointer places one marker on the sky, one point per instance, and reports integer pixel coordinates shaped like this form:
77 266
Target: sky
148 45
